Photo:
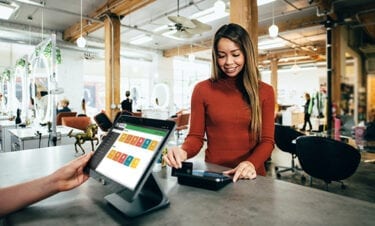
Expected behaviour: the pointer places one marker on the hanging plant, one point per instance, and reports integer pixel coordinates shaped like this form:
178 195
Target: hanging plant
48 52
6 75
22 63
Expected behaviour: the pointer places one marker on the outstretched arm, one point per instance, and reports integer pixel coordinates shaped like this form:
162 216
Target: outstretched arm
67 177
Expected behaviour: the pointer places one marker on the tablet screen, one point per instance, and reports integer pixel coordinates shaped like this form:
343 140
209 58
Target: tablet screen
126 155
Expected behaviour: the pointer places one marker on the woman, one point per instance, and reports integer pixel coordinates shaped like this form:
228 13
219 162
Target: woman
127 104
307 110
233 108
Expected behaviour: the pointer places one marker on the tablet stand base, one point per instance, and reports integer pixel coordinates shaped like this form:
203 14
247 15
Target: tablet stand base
149 199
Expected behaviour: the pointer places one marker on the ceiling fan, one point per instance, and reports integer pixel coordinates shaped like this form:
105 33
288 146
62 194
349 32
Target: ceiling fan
185 27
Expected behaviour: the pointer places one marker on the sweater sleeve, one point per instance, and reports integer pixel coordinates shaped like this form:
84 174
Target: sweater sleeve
194 140
263 149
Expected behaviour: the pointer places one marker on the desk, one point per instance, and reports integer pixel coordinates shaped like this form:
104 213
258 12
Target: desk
27 138
5 125
3 117
264 201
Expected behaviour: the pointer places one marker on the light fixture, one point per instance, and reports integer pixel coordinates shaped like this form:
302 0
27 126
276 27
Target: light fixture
30 2
295 67
191 56
273 29
7 10
81 41
217 11
264 2
219 6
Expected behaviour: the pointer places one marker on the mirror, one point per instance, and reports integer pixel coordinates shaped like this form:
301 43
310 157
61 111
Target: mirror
160 96
4 84
39 86
22 97
10 95
135 95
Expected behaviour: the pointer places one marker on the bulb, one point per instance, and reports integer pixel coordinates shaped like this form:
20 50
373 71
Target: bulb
191 57
273 31
81 42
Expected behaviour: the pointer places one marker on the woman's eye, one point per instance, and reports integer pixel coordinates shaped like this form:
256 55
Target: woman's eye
221 56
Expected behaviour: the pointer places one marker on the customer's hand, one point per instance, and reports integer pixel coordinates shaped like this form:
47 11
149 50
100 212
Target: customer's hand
174 157
71 175
244 170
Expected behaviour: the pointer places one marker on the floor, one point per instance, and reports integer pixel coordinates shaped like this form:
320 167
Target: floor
361 185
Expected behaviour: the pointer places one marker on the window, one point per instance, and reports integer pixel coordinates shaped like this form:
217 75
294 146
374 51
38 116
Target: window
186 75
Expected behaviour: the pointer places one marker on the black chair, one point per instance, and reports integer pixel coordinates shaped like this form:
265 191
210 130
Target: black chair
369 137
327 159
285 137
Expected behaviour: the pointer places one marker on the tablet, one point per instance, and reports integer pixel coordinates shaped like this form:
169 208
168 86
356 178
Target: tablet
126 155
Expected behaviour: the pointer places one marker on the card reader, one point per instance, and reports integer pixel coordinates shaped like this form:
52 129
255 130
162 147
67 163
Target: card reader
200 178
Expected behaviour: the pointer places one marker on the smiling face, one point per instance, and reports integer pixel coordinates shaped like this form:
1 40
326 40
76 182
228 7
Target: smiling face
230 58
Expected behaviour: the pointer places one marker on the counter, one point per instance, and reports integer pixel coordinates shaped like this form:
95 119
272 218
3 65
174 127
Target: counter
263 201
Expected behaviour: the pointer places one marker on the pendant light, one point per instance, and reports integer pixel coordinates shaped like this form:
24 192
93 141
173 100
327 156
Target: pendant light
295 68
81 41
191 56
219 6
273 30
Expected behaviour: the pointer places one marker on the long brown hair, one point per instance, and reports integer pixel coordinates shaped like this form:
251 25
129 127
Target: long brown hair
249 84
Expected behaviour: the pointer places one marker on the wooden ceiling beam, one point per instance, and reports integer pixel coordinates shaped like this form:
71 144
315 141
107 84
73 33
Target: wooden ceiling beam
116 7
187 49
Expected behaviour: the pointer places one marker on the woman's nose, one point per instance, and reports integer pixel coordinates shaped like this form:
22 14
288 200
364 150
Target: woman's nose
229 60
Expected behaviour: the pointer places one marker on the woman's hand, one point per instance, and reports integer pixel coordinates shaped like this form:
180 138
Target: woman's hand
174 157
244 170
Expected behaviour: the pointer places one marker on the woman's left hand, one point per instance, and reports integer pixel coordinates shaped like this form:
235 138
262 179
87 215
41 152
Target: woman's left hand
244 170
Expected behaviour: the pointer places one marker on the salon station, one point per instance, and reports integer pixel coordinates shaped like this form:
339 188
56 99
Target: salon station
91 52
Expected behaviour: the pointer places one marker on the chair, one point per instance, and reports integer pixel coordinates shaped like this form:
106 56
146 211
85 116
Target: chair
284 139
327 159
77 122
369 137
103 121
137 114
60 115
182 123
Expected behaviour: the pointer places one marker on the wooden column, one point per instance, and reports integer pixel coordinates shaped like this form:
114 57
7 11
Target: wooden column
274 76
338 61
112 65
245 13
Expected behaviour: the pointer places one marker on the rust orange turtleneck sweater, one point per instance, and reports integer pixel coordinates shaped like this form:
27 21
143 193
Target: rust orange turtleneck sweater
219 110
